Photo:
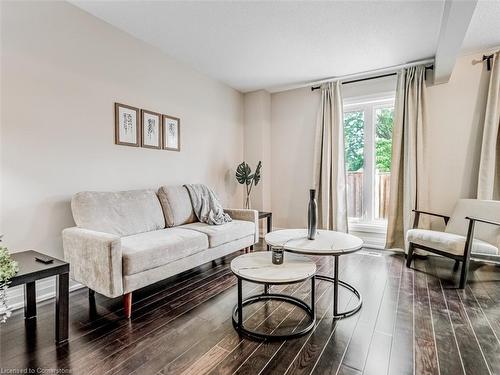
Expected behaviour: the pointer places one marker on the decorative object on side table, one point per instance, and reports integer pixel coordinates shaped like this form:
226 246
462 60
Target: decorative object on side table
312 216
127 125
278 255
8 268
245 177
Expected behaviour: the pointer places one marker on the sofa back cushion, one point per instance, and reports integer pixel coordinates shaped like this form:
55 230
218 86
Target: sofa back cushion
177 206
122 213
481 209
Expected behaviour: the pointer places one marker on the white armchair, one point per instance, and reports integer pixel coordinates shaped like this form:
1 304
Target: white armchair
473 230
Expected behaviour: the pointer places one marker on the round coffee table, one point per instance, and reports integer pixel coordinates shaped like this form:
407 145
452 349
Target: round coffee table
258 268
328 243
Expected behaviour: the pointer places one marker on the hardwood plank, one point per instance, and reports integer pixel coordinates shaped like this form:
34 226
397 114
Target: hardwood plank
450 361
401 360
260 358
373 290
100 341
313 349
487 340
183 325
472 356
114 353
309 348
286 317
379 352
155 354
426 360
81 328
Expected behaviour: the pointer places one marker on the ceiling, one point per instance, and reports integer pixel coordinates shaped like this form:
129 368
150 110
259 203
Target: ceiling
268 45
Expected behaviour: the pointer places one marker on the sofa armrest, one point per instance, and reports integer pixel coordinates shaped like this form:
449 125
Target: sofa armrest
245 215
95 259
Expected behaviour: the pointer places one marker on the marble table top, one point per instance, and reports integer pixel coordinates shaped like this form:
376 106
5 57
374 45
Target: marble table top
327 242
258 267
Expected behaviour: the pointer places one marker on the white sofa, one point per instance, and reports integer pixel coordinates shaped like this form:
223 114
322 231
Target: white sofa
126 240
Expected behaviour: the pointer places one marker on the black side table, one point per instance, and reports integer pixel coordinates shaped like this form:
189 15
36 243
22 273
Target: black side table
31 270
269 221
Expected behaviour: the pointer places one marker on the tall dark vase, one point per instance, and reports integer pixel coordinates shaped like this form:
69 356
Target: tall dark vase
312 215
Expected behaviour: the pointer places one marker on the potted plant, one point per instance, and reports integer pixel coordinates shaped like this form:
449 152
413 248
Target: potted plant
245 177
8 269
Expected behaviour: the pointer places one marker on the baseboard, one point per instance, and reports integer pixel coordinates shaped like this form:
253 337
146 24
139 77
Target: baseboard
45 289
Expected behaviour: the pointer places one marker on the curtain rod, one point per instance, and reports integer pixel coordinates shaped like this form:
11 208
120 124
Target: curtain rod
486 58
369 78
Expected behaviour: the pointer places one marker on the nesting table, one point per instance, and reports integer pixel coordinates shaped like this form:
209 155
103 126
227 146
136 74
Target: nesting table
327 243
258 268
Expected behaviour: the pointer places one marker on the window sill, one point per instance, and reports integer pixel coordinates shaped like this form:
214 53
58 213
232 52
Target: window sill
368 227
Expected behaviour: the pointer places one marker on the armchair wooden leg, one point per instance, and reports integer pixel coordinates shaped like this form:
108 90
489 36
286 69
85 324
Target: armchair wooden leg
464 272
127 304
409 256
467 251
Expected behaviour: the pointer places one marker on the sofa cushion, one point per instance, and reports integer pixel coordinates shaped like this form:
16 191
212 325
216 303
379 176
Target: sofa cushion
122 213
177 206
145 251
221 234
448 242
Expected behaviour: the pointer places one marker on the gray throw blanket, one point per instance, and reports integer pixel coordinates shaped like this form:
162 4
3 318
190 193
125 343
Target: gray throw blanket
206 206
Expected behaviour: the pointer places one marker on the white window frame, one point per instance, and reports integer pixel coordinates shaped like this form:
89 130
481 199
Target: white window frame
368 105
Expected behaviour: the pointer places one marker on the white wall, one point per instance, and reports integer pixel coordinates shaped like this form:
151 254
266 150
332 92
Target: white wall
62 70
257 139
456 117
455 121
293 116
293 119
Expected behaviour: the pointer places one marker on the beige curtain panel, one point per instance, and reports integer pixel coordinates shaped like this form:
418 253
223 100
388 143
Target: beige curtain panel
408 173
488 186
329 167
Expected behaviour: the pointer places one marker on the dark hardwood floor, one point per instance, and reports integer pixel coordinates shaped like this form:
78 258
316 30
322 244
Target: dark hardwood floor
413 321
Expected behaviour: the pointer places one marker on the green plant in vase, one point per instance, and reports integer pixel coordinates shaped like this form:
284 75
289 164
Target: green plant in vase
8 269
245 177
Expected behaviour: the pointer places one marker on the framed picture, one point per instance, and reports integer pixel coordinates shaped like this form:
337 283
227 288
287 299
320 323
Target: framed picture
171 133
151 129
127 125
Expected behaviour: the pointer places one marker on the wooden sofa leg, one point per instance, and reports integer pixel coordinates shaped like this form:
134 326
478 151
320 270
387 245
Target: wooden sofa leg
127 304
409 257
92 305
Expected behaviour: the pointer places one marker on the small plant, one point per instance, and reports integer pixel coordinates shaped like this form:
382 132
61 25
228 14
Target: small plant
8 269
245 177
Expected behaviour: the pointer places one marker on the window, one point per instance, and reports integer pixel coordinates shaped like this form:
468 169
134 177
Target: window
368 151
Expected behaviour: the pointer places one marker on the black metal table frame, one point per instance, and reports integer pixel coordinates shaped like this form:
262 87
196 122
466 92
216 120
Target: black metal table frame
336 282
237 316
